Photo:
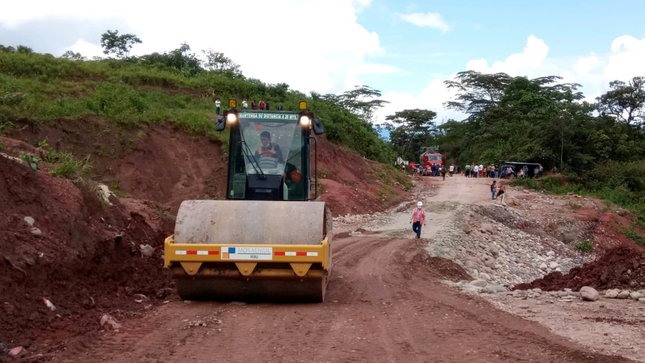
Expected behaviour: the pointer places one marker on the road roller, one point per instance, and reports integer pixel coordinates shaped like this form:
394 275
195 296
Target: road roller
270 238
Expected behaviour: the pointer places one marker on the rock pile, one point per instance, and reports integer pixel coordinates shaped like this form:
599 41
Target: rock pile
499 253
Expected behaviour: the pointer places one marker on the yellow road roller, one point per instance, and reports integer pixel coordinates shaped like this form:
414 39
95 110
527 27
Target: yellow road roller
270 240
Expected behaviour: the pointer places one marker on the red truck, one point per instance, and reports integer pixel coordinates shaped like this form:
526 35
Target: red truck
431 157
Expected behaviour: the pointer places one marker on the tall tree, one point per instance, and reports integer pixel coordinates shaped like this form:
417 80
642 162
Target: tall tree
625 101
476 91
119 45
413 129
361 101
218 62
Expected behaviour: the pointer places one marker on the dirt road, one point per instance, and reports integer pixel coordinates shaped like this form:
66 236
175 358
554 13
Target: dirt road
385 304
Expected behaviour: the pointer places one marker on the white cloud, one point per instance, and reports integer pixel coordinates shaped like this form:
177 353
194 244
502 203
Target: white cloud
530 61
586 64
593 72
626 60
311 45
87 49
374 69
430 20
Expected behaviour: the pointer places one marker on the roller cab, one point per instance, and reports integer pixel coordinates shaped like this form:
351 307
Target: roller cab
270 240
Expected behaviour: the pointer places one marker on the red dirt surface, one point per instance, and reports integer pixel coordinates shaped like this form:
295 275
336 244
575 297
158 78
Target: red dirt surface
165 166
609 232
384 304
154 163
353 183
87 261
621 267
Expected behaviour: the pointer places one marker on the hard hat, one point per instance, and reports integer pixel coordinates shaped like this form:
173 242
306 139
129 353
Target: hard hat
419 204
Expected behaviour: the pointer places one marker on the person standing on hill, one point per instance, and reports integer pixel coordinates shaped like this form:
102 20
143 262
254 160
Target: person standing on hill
245 104
218 106
261 104
492 189
268 105
418 219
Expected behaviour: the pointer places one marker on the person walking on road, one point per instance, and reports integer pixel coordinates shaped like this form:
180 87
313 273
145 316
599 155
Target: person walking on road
218 105
418 219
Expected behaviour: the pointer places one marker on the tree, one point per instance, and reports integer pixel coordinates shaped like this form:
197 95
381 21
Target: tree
73 56
476 91
415 130
360 101
24 49
218 62
119 45
625 101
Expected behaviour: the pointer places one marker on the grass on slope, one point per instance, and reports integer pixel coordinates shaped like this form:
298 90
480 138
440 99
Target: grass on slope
42 88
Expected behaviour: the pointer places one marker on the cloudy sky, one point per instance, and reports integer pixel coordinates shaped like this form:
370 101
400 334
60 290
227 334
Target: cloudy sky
406 49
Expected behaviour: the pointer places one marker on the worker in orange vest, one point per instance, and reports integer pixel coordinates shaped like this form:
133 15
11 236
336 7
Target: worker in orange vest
418 219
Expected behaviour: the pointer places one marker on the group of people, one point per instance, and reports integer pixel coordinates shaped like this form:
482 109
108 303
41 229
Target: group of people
262 105
479 171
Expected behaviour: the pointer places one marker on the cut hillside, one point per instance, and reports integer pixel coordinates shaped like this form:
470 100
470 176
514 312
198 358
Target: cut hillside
62 242
70 129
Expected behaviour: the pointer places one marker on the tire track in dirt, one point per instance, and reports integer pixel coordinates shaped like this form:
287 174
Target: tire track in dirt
384 304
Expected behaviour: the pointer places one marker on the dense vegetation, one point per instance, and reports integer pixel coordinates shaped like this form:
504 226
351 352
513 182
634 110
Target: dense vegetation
176 86
599 146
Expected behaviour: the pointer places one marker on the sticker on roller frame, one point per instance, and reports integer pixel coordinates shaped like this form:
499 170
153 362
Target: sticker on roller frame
247 253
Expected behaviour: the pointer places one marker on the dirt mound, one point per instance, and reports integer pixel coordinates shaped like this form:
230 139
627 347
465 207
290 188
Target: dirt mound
157 163
75 250
621 267
166 166
356 185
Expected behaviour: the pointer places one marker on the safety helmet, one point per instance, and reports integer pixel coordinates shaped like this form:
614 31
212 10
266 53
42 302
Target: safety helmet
419 204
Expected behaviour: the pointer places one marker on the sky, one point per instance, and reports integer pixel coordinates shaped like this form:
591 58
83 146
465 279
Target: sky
405 49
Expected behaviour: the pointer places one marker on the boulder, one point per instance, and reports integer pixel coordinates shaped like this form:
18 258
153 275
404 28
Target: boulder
494 289
30 221
147 250
635 296
589 293
484 276
611 293
36 232
479 283
109 322
623 294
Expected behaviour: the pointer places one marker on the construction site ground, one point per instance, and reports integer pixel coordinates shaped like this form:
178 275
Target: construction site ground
395 298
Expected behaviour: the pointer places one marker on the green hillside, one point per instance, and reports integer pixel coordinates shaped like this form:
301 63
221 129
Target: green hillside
154 88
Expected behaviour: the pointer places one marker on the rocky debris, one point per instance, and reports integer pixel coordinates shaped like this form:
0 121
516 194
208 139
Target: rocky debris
106 193
109 322
146 250
30 221
623 294
36 232
487 240
589 293
494 289
17 352
479 283
164 292
610 294
139 298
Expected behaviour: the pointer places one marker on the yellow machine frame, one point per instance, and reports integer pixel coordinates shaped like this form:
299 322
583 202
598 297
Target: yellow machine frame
204 253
